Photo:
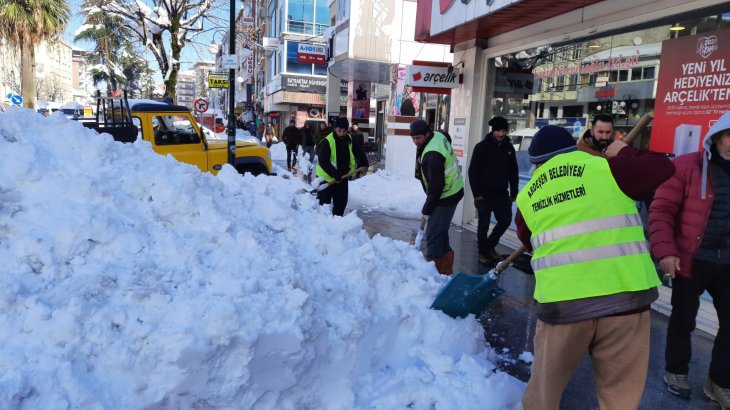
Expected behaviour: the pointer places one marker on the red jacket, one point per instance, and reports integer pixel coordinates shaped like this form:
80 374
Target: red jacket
678 215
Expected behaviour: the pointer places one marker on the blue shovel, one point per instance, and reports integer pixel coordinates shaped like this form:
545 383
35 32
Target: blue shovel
467 294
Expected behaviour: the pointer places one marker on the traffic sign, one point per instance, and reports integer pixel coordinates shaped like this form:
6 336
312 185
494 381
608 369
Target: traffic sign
229 61
15 99
200 105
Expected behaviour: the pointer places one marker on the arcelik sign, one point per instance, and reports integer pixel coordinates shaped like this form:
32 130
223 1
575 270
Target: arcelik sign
311 53
693 90
432 77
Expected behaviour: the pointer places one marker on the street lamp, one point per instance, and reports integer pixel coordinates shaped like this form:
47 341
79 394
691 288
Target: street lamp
232 88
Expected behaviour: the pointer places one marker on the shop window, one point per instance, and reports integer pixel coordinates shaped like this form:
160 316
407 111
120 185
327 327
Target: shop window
648 73
623 75
613 76
553 112
573 111
636 74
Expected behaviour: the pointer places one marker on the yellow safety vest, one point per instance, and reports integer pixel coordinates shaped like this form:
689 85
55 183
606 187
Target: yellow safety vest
330 139
587 235
453 181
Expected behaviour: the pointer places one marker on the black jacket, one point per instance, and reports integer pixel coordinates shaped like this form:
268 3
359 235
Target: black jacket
307 136
493 168
292 136
432 168
342 145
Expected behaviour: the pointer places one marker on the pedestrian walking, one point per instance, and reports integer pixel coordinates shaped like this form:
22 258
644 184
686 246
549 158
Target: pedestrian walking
308 141
269 134
594 277
493 177
689 225
292 137
337 157
440 176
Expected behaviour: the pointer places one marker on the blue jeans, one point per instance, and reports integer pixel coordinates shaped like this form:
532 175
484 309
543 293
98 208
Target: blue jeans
437 231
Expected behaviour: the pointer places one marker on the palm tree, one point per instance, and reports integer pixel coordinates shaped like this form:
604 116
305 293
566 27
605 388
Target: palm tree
25 23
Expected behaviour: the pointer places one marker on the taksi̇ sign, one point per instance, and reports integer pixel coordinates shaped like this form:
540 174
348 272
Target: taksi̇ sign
311 53
432 77
217 80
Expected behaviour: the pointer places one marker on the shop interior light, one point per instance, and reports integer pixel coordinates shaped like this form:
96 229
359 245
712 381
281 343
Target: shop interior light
594 45
677 27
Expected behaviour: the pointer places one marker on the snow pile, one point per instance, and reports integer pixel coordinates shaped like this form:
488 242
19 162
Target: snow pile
388 192
131 280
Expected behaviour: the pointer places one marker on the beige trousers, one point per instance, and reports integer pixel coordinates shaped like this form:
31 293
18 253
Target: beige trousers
619 349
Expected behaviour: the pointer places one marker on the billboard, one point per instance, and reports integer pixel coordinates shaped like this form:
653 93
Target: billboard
693 90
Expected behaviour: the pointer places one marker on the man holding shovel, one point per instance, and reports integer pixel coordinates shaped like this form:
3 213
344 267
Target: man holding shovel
594 277
338 159
438 170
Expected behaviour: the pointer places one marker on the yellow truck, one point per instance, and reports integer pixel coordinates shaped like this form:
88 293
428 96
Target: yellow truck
172 129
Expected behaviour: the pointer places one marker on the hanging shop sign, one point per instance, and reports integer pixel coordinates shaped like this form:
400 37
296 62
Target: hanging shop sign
217 80
304 83
311 53
437 78
693 90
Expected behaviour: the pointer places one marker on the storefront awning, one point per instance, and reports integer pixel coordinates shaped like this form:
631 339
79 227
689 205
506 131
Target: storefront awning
463 21
351 69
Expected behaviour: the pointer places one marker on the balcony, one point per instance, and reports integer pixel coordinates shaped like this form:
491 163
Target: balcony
305 27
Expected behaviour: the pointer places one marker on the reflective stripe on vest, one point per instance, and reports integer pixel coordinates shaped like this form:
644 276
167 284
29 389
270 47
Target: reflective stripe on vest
453 181
587 236
580 228
333 159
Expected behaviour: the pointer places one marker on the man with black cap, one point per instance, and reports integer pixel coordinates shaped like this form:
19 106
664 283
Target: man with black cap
493 169
594 277
338 156
438 170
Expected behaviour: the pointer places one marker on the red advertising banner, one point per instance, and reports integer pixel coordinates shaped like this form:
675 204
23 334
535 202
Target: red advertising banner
693 90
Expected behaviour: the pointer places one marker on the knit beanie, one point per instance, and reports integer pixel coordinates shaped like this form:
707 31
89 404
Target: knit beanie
342 123
419 127
499 123
548 142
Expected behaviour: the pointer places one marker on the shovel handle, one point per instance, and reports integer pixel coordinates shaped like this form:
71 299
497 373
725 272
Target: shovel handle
505 263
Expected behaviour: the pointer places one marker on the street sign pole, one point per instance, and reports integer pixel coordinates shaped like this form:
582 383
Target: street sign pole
231 88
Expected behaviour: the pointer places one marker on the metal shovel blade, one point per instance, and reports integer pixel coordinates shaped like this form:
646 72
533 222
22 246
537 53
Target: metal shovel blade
466 294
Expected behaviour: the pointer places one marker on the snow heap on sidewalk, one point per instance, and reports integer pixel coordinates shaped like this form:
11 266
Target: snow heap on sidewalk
131 280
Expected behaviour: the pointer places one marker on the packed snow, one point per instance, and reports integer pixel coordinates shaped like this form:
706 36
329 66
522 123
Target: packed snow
131 280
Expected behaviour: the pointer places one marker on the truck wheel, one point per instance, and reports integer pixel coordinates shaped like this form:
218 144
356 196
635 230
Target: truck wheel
251 169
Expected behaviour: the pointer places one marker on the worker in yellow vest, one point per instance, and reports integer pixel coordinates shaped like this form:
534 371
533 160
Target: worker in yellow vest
336 157
594 277
438 170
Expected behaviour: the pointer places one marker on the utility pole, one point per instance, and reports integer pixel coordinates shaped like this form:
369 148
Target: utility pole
232 89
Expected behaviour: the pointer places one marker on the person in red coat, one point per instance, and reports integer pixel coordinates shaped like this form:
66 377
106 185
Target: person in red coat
689 231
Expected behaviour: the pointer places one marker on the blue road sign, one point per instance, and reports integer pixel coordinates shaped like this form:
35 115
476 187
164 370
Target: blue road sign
15 99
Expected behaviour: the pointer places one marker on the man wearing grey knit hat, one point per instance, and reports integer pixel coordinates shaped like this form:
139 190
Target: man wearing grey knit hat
594 277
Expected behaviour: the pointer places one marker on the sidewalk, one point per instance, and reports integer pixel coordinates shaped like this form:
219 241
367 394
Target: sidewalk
510 323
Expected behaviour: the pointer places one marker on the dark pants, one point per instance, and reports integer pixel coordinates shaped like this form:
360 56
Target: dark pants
336 194
502 208
437 231
291 156
685 304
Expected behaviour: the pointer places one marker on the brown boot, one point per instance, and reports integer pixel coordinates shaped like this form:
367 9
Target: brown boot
445 263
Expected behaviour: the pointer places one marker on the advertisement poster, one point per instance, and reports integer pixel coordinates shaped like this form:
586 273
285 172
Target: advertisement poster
693 90
361 100
459 133
403 100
